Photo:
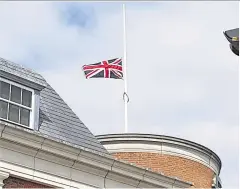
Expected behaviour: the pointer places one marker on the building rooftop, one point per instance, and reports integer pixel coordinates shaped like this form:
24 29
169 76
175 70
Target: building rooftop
134 142
56 119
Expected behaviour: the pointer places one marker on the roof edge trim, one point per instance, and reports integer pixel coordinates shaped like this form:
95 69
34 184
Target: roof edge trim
82 156
22 81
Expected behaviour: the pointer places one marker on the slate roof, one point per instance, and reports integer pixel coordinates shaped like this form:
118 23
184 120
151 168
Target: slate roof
56 119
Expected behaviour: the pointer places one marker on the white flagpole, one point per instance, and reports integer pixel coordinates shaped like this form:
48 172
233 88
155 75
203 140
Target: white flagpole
125 69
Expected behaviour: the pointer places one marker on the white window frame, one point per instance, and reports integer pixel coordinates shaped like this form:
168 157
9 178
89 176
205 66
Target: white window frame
32 108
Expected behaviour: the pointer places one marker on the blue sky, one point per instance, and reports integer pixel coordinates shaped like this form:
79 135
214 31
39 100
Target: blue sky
182 77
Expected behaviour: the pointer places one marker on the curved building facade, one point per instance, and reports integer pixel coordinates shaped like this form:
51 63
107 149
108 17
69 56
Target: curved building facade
175 157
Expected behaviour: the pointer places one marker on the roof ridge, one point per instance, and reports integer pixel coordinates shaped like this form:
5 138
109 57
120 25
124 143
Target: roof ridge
8 62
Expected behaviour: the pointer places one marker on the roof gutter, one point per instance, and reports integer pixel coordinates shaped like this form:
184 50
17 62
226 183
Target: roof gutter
111 168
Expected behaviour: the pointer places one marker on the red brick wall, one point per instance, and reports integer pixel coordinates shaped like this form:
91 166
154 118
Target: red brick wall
12 182
184 169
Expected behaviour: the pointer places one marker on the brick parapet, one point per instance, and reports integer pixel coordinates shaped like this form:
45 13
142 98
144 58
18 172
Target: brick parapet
174 157
185 169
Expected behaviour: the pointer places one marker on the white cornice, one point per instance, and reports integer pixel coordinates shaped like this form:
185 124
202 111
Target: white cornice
3 176
163 145
58 160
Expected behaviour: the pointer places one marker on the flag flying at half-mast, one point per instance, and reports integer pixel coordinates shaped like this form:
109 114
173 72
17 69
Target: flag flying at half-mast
113 69
105 69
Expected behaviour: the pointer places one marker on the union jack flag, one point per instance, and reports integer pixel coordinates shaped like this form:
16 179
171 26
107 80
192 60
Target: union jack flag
105 69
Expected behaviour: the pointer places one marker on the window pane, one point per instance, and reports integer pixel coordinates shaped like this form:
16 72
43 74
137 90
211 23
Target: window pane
26 98
3 109
16 94
13 114
24 116
4 90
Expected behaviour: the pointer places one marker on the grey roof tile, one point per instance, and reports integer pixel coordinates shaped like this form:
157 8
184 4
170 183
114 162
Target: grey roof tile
20 71
56 119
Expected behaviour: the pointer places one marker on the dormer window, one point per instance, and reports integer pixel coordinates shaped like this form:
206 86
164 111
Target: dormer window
16 103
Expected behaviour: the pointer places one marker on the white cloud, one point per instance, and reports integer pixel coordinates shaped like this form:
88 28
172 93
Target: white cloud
183 79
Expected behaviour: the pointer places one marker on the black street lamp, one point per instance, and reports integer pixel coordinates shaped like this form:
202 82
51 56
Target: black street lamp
233 38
